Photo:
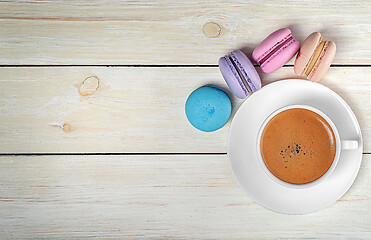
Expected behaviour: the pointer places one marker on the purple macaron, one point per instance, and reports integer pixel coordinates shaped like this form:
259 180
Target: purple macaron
240 74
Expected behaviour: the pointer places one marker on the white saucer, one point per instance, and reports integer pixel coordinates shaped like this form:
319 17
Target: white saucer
242 150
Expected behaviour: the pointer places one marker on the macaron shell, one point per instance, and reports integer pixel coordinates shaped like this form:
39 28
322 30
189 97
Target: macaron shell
323 64
281 57
208 108
247 69
232 78
306 51
269 43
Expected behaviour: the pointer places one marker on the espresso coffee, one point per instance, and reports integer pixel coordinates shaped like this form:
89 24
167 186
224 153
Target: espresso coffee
298 146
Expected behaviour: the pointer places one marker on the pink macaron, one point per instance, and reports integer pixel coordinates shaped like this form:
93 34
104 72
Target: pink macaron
276 50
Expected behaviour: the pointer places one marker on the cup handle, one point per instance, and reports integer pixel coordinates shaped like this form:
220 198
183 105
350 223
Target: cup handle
349 144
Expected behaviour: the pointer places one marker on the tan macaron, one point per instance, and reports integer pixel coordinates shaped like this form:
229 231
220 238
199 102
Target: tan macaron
315 57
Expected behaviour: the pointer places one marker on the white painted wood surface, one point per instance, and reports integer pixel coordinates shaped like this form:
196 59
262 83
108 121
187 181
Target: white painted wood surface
186 196
130 109
171 31
141 109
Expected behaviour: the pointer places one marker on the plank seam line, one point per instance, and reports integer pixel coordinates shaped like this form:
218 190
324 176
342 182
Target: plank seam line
103 154
112 154
158 66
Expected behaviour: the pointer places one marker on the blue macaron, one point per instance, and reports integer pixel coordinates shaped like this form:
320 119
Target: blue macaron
208 108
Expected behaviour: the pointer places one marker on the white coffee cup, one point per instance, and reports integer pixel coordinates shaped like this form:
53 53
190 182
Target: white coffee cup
340 146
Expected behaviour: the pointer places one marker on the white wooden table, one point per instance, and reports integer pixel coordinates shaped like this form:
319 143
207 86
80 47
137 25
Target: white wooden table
94 141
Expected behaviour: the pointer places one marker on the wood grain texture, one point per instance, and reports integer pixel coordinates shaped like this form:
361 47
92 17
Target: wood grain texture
70 197
99 109
171 32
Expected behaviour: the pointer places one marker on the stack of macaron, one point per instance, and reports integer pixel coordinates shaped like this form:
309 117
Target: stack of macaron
208 108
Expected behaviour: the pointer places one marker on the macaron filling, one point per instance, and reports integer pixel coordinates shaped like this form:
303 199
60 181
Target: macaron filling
243 75
236 73
243 79
315 57
277 47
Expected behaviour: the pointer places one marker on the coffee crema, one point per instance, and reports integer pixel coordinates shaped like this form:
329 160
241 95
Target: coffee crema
298 146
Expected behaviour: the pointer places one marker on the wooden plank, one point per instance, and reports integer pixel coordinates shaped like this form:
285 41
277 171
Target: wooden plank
171 32
192 196
49 110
